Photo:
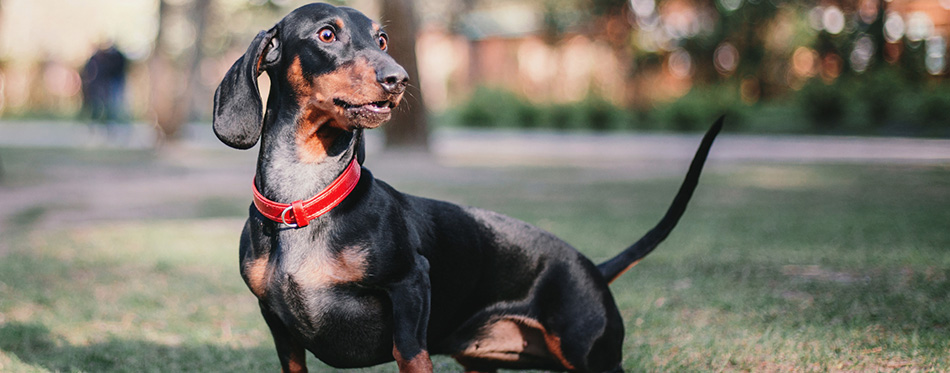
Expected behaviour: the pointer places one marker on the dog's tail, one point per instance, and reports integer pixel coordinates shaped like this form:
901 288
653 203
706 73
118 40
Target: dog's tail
616 266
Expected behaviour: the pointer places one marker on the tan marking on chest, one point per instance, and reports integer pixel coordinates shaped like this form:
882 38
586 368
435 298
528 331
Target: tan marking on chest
258 274
323 269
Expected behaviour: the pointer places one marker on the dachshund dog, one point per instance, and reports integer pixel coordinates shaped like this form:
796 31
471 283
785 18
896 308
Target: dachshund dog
360 274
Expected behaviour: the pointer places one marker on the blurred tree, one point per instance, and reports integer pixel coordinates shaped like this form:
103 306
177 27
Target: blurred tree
173 71
408 128
560 17
745 26
457 22
876 32
747 29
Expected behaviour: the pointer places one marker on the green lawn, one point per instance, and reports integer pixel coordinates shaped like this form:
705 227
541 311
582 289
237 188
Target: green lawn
775 267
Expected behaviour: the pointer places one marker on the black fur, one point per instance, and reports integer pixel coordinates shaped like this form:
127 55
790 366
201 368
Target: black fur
237 101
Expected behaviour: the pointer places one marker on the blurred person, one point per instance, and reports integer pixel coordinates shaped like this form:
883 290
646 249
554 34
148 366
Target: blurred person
103 90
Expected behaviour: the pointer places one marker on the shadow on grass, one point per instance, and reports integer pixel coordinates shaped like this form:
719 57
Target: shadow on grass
35 345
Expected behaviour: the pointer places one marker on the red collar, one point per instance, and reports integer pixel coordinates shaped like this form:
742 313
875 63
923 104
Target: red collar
300 213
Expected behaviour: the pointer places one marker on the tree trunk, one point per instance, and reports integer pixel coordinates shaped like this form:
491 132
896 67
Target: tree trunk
408 128
199 18
173 92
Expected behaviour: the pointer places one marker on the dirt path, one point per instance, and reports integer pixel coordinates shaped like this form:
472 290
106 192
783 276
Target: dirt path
182 176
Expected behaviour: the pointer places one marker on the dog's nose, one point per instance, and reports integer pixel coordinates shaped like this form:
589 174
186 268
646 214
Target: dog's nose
393 78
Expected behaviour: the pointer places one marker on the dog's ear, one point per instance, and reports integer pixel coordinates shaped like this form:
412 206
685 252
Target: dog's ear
238 109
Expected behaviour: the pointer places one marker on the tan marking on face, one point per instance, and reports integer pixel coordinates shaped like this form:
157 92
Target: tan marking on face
509 337
339 23
353 82
302 87
257 275
421 363
323 269
317 128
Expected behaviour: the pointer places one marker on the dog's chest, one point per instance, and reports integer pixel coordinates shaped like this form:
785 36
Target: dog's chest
322 297
315 269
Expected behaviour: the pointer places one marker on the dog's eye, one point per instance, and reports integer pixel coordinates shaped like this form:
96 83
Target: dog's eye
326 35
383 42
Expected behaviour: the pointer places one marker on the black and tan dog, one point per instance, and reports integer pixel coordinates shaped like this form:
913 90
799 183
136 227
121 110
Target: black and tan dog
359 274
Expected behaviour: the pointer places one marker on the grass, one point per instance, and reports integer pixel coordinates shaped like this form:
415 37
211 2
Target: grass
774 268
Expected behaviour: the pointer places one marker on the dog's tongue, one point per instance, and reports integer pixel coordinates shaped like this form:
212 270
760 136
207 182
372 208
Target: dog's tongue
378 107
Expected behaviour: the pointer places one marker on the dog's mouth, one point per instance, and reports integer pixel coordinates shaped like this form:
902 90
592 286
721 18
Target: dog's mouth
366 115
378 107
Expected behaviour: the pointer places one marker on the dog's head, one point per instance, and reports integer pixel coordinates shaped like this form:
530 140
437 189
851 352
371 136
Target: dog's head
328 68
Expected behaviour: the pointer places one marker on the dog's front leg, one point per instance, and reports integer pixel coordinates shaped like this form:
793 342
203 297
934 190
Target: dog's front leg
292 355
410 297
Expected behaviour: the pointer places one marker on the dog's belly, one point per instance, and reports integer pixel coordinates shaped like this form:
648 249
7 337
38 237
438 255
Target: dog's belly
345 326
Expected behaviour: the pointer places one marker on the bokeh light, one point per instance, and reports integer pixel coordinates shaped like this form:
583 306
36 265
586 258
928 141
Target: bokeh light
862 53
60 80
730 5
868 10
893 27
805 62
643 8
831 65
750 90
814 18
681 64
936 60
726 58
832 19
919 26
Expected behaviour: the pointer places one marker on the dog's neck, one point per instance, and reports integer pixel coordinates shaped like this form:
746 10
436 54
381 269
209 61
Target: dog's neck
284 177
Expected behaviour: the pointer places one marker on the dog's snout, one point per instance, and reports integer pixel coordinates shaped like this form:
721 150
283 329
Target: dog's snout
393 78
